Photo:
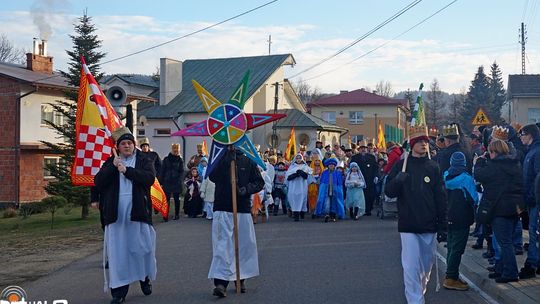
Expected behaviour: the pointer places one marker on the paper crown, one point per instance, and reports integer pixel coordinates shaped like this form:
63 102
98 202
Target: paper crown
433 132
116 134
144 141
303 148
500 133
199 146
417 131
450 130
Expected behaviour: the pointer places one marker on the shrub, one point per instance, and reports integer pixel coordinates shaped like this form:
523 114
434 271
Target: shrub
27 209
52 204
10 212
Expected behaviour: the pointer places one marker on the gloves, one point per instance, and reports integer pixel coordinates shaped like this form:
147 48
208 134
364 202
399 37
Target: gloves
441 237
292 176
401 177
298 171
242 191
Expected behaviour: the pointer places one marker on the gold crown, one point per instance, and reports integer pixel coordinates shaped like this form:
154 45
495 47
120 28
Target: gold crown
116 134
417 131
450 130
500 133
433 132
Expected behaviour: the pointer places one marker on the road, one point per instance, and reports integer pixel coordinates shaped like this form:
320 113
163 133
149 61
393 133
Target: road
305 262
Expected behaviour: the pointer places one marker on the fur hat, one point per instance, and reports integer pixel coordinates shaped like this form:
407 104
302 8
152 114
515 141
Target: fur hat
122 133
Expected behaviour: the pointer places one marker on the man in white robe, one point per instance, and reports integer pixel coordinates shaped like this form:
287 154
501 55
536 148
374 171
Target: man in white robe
297 185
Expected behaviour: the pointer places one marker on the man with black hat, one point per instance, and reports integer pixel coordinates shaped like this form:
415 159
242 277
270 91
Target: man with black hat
370 169
129 243
152 156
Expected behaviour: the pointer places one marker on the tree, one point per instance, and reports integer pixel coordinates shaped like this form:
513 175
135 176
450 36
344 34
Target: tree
384 88
305 91
497 94
478 96
85 44
434 104
455 106
9 53
410 99
52 204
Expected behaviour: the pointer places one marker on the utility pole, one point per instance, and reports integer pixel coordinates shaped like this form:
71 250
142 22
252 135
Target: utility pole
269 43
274 125
376 128
523 36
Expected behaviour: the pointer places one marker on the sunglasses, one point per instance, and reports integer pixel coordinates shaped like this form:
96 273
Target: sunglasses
523 134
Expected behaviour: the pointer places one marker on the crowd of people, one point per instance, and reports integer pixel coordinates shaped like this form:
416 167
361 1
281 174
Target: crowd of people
444 184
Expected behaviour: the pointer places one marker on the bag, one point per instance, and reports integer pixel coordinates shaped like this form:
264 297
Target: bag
484 214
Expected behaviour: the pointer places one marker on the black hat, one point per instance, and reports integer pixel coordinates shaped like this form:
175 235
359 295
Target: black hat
122 133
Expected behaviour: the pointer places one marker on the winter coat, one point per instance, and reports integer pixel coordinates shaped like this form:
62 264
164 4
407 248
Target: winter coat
247 175
171 175
421 198
531 168
537 190
443 157
393 156
208 189
369 167
107 182
462 198
501 174
154 159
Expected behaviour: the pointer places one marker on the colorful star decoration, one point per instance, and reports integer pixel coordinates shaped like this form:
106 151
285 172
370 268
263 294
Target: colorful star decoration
227 124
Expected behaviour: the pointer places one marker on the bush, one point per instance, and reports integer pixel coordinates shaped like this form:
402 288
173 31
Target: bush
27 209
52 204
10 212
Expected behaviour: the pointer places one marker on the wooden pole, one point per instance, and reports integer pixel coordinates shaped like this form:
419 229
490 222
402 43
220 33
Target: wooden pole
235 224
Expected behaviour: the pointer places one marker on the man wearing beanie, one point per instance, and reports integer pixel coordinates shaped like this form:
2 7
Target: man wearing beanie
129 243
417 183
530 137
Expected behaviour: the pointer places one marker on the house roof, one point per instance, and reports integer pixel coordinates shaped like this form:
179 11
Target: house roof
220 77
20 72
300 119
136 79
357 97
523 86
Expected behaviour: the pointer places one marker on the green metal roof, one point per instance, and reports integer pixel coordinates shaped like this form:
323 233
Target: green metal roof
299 119
220 77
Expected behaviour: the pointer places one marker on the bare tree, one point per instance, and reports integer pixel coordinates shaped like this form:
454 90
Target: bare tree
9 53
305 91
455 106
384 88
434 104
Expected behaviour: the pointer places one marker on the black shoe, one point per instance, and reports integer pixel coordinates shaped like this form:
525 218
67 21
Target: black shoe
326 218
491 268
488 255
146 287
118 300
526 246
301 215
494 275
176 217
527 272
220 291
477 246
505 280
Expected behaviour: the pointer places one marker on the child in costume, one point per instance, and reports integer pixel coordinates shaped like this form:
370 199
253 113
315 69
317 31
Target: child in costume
355 183
330 200
313 188
192 200
279 192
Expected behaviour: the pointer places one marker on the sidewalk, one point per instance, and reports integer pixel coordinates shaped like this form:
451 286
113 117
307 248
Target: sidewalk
473 266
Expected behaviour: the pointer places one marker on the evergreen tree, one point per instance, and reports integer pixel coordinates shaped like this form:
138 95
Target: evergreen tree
497 92
478 96
434 104
455 106
85 43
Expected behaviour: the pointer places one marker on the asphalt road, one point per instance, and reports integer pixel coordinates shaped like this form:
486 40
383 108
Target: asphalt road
306 262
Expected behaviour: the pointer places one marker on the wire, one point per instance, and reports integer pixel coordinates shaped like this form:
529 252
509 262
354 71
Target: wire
356 41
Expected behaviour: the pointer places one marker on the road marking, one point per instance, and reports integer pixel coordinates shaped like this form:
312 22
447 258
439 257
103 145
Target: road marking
473 286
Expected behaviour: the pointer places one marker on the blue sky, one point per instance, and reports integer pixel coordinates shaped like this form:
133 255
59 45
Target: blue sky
449 47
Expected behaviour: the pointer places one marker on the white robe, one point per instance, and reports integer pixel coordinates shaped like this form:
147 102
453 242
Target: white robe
130 247
297 188
417 258
223 265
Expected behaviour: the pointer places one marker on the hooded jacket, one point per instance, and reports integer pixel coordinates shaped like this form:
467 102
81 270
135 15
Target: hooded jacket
531 168
421 198
171 174
462 198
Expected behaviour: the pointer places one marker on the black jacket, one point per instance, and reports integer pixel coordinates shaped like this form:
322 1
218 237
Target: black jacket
247 175
107 181
537 190
171 176
369 167
443 157
460 207
154 158
421 196
502 180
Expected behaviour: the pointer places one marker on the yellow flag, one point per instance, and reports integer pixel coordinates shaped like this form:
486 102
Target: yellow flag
290 152
204 148
381 143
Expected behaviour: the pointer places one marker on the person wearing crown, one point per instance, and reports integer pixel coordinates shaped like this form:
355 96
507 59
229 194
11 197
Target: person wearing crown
129 242
153 156
417 183
196 159
452 143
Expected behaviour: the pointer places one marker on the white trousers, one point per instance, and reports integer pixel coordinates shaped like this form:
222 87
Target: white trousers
417 258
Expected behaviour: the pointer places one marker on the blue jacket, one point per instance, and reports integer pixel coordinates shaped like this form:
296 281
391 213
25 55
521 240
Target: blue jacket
462 198
531 168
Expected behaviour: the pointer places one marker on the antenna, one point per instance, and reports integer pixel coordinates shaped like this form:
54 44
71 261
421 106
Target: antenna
523 37
269 43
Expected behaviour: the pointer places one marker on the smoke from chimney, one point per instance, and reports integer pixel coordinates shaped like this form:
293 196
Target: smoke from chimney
42 14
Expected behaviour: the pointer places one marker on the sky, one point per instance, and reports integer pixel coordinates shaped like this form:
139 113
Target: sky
449 47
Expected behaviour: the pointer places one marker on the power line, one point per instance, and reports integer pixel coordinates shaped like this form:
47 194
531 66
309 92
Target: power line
387 42
356 41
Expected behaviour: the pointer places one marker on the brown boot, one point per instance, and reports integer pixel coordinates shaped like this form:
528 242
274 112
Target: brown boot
455 284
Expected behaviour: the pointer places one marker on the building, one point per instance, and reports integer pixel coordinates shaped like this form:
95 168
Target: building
523 99
360 112
179 106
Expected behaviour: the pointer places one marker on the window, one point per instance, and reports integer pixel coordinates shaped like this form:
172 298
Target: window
534 115
329 116
141 132
357 138
49 114
162 132
51 161
356 117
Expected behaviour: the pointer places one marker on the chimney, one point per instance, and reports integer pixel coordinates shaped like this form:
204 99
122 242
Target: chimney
170 79
38 61
343 91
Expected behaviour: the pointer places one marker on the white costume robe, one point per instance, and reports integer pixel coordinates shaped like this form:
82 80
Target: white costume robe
130 247
417 258
298 187
223 265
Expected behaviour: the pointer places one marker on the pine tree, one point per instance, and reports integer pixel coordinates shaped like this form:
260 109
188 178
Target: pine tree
497 93
478 96
434 104
86 44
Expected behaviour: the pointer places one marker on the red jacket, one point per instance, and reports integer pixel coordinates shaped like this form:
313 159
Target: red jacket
393 156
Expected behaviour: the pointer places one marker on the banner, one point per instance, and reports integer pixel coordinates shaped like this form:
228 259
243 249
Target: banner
290 151
381 142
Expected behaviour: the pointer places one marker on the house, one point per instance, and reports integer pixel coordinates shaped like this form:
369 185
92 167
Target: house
523 99
360 112
179 106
